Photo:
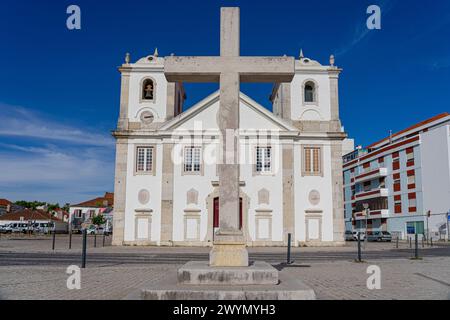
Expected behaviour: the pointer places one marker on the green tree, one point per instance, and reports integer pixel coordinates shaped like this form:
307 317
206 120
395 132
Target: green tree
98 220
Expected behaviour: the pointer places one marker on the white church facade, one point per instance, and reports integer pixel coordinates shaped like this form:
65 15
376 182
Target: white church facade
166 177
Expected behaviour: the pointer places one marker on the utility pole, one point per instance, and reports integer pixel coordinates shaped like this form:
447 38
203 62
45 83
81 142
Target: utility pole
367 211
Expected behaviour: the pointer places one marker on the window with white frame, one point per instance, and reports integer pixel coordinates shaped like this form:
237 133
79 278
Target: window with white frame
192 159
263 159
412 203
312 161
77 213
144 159
410 156
411 179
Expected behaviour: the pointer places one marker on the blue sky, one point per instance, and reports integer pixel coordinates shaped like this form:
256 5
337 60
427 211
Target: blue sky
59 89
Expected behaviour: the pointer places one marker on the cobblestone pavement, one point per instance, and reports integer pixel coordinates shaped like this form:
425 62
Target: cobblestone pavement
119 272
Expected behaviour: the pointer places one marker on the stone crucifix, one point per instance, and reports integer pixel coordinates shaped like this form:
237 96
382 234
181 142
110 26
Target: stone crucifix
229 69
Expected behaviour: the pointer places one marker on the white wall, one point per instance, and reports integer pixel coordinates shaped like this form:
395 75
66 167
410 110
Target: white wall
158 106
435 154
319 112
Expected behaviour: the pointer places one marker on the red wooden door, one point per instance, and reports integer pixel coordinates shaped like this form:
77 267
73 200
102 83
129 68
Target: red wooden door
216 213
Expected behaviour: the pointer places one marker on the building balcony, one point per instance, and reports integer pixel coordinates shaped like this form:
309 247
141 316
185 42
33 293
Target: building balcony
370 175
382 192
373 214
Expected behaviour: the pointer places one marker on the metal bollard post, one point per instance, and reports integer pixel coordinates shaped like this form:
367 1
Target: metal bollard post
83 252
95 239
431 241
416 253
289 249
410 243
396 243
70 239
103 239
423 242
54 239
359 247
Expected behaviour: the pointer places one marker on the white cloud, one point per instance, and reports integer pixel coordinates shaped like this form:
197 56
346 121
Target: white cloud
21 122
41 159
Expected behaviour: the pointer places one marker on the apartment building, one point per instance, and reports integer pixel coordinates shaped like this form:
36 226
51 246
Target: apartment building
404 180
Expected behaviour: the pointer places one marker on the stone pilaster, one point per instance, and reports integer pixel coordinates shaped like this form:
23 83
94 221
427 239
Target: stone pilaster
170 105
288 192
334 97
337 189
167 195
124 99
120 188
285 101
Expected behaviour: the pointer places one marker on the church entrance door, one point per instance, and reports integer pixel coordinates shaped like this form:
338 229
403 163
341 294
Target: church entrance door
216 215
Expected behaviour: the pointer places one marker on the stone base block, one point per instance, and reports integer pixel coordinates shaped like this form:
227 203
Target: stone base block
200 272
288 288
228 255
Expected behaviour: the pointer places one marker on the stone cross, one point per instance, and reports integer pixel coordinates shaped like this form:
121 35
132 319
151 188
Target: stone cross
229 69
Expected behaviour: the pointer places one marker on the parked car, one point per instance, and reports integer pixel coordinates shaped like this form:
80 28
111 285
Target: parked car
379 236
349 236
6 228
43 227
20 227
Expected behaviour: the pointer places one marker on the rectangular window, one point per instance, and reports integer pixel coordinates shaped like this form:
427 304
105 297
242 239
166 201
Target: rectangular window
411 179
263 159
77 213
398 204
192 159
144 159
410 156
412 204
396 164
312 164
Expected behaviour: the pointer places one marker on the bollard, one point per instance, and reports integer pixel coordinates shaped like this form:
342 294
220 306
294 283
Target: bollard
54 238
103 239
95 239
70 239
289 249
416 253
410 243
396 243
83 251
359 247
423 242
431 241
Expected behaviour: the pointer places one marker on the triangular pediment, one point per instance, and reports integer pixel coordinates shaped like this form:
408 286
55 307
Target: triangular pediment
252 116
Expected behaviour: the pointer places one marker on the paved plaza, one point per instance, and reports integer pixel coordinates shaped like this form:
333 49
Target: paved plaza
30 269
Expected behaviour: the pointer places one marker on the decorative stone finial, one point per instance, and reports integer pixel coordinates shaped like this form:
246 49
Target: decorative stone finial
127 58
301 54
332 60
155 54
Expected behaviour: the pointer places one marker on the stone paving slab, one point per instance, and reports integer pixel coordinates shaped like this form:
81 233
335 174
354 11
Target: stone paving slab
342 280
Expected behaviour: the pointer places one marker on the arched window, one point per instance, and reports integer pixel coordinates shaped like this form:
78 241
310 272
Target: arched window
310 92
148 89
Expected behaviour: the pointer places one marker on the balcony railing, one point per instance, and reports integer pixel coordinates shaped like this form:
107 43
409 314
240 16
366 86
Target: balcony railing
370 175
375 214
375 193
